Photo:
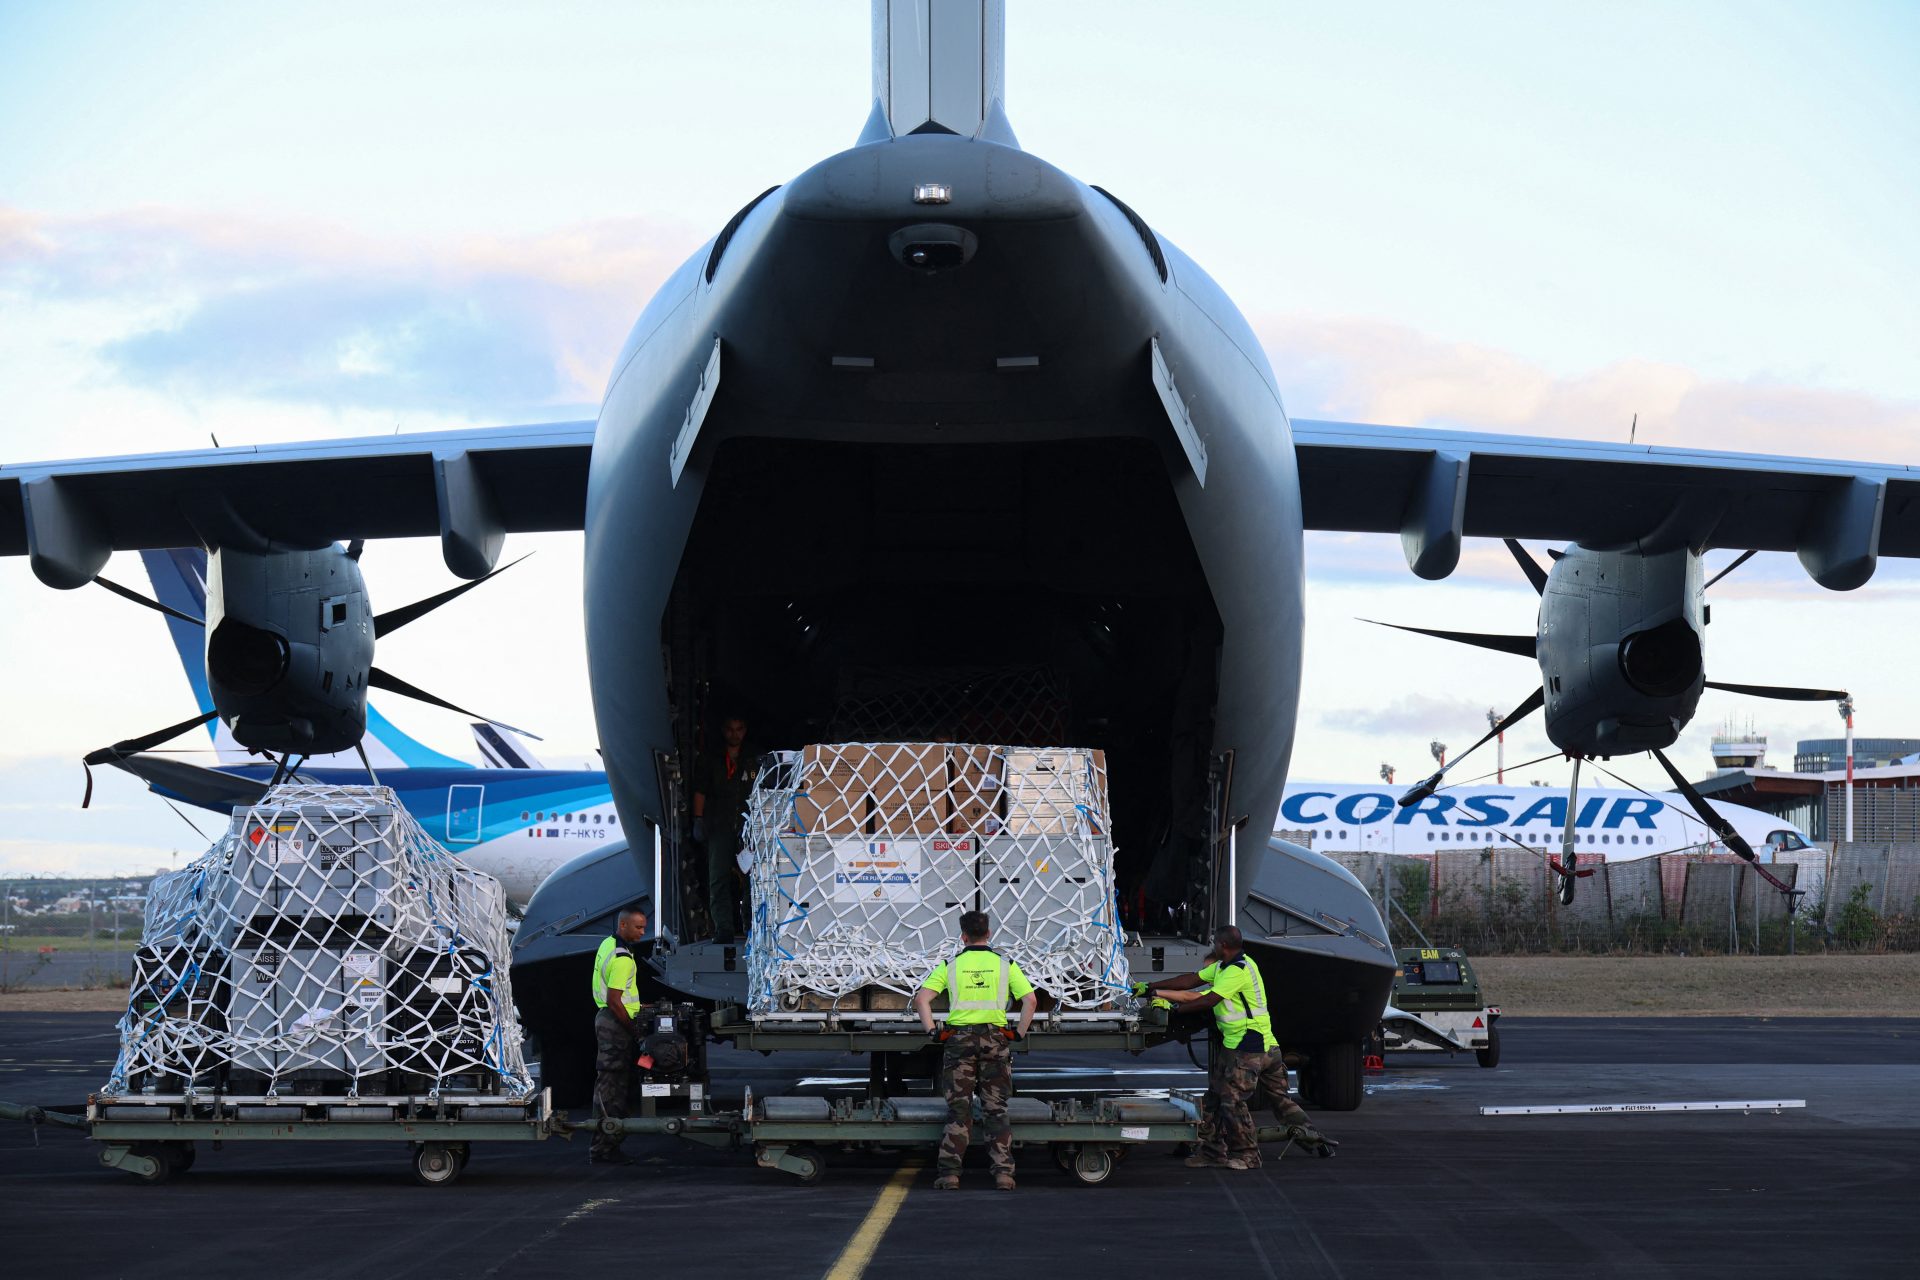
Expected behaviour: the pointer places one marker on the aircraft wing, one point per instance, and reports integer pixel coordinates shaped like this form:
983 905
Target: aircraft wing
1434 486
471 487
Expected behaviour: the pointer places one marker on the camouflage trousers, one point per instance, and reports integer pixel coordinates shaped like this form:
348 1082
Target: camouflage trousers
613 1076
1236 1082
977 1062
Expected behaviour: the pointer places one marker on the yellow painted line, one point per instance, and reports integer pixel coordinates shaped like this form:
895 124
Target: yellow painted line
853 1260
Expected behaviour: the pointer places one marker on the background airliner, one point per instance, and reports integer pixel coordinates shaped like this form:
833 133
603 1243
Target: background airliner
515 821
1622 824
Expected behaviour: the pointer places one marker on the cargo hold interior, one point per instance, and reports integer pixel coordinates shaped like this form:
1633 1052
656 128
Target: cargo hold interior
1037 594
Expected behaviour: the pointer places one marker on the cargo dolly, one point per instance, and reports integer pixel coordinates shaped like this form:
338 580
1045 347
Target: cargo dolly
153 1137
1087 1137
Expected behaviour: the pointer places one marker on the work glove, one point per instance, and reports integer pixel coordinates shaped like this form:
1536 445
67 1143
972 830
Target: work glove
1161 1002
699 831
1139 988
1013 1035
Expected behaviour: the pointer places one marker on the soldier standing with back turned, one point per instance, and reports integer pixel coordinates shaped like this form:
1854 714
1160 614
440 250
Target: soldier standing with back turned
978 1055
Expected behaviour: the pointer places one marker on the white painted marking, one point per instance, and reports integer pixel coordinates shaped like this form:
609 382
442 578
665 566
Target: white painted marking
1623 1108
1403 1086
586 1209
1181 418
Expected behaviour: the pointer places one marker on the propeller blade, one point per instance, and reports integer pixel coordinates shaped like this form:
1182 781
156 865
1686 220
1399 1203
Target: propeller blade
1784 693
386 680
1520 646
1720 827
1555 554
127 593
1741 559
355 547
394 619
1529 566
1420 791
133 747
1534 701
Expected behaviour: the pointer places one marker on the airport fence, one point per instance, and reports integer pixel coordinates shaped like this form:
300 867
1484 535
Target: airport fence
90 946
1856 897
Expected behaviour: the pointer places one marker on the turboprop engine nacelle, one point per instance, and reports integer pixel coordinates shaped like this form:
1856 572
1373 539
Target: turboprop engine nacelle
289 648
1620 648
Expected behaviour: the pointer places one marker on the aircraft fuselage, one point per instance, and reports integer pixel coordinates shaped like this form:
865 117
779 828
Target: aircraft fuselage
831 346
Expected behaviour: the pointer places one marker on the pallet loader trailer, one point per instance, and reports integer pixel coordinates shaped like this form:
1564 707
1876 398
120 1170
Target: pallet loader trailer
1087 1137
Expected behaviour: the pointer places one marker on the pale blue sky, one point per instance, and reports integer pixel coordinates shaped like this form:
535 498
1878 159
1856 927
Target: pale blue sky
296 220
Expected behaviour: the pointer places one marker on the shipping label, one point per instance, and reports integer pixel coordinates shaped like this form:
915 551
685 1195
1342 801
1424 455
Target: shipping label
361 970
876 870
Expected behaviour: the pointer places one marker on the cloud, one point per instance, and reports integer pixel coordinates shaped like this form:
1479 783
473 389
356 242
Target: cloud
62 859
311 313
1420 714
124 832
1373 371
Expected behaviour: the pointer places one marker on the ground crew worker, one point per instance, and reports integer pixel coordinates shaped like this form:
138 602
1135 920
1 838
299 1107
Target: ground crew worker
1244 1059
616 992
977 1060
721 787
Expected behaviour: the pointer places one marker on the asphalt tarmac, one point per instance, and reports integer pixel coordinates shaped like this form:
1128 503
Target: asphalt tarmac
1423 1185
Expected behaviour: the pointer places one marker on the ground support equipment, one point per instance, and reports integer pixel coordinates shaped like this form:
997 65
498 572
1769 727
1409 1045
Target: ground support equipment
153 1138
1087 1137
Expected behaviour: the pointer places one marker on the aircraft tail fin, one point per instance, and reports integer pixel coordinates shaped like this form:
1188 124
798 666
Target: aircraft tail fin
939 66
500 749
179 577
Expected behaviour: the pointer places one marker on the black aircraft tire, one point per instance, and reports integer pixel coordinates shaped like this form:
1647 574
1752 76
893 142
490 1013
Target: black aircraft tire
1490 1056
1333 1081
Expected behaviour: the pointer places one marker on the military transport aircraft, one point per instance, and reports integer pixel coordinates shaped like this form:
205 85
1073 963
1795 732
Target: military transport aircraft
936 407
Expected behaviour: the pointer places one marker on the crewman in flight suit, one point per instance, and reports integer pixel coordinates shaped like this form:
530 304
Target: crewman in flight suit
1244 1059
978 1055
616 992
722 785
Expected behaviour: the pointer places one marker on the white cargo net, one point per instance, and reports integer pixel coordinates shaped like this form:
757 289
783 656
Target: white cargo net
866 854
324 945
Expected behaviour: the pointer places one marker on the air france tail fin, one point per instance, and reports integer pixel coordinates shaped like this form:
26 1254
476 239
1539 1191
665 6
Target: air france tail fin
500 750
179 578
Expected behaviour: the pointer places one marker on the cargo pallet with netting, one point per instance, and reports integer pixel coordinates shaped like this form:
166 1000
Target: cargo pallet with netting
866 854
325 970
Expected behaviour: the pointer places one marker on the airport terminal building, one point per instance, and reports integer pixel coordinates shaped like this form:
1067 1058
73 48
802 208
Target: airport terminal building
1886 791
